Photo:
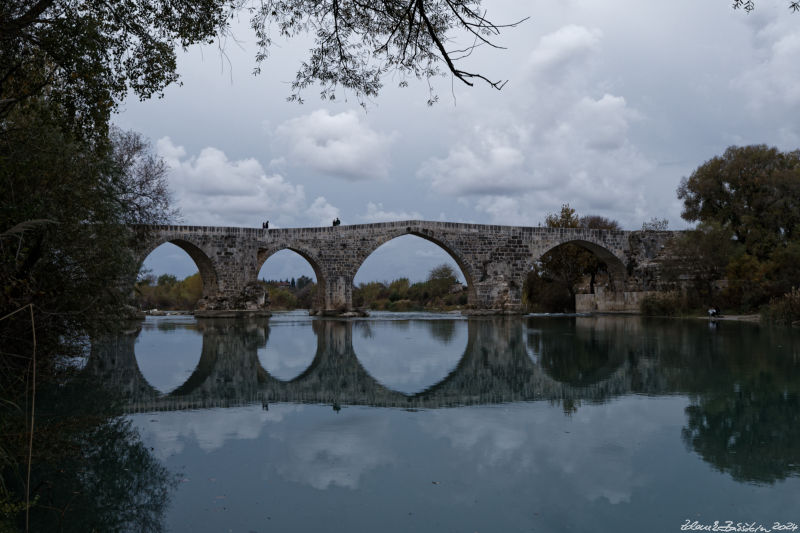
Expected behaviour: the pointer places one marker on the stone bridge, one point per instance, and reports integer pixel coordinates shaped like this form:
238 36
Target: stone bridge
493 259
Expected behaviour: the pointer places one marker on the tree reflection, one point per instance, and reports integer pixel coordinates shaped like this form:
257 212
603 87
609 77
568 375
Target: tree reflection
442 330
750 431
744 417
91 472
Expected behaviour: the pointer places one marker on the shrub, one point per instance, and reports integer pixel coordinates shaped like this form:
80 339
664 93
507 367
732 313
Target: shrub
665 304
783 310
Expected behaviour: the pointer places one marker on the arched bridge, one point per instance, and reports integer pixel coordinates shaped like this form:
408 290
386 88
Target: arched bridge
493 259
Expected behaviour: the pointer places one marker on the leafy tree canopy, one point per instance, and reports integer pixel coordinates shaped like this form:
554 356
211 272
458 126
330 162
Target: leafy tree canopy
443 272
63 246
753 191
747 203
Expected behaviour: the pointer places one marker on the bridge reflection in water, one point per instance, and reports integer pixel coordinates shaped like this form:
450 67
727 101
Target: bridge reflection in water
741 383
506 359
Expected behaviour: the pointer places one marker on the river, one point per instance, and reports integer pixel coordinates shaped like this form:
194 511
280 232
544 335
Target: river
435 422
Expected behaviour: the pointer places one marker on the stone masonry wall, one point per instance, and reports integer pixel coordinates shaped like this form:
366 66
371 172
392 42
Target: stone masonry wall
493 259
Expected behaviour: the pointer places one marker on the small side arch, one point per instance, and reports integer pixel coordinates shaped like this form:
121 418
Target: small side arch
265 253
208 272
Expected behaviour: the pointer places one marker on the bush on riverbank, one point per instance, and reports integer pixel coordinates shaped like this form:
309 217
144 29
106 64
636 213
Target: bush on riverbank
441 291
168 293
784 310
665 304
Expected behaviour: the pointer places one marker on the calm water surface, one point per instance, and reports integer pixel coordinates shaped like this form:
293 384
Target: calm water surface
419 422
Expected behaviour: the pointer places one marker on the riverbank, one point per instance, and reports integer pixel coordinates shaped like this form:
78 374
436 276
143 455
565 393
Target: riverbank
755 319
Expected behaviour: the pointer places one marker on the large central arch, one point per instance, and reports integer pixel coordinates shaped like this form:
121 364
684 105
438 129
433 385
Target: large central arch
452 251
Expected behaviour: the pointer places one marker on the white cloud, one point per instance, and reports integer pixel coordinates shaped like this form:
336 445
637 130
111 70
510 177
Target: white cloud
322 212
211 189
339 145
584 452
775 80
494 164
168 432
377 213
566 145
337 453
560 52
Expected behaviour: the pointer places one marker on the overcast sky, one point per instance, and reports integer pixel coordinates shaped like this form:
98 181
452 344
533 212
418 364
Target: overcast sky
608 105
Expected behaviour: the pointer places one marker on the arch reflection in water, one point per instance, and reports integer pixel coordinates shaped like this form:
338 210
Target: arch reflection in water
291 346
578 351
168 350
409 356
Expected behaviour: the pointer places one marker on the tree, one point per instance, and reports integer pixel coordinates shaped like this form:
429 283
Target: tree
64 246
655 224
440 280
747 203
86 55
302 281
754 191
143 195
443 272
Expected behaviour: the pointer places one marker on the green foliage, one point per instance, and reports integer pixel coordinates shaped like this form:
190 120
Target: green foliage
439 291
565 219
748 204
169 293
665 304
71 267
698 260
398 289
281 298
167 280
64 202
753 191
86 55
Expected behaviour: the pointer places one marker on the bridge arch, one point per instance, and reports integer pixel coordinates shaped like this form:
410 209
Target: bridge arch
208 272
264 254
451 250
614 265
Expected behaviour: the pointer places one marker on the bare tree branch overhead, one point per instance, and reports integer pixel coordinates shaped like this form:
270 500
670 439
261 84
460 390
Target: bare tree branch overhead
356 43
89 54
